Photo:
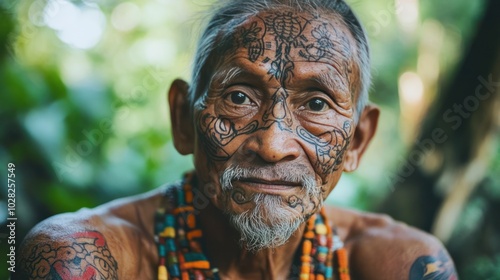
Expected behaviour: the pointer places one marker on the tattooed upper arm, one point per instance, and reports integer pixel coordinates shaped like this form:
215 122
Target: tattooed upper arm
80 255
437 267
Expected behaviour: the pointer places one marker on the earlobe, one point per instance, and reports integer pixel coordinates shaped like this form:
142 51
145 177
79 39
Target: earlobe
181 118
363 134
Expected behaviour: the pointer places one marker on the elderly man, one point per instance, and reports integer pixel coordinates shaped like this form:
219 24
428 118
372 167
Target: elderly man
276 111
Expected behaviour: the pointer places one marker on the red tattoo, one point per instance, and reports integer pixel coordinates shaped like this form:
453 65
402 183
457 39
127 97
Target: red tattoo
81 256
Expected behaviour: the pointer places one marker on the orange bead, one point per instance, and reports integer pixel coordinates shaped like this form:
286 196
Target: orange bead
189 197
197 265
306 247
309 235
342 257
305 269
305 259
183 209
191 221
310 223
194 234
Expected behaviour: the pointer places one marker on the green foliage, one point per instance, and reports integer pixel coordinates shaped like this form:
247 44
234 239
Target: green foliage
89 124
483 268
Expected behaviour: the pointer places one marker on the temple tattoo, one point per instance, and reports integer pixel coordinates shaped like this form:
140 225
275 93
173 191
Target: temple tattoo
83 255
433 268
253 40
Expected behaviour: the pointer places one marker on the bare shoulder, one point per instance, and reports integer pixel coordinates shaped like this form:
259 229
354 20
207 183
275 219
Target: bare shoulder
382 248
100 243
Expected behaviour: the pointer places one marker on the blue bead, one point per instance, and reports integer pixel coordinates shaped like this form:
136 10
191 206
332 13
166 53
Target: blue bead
159 227
322 249
170 245
161 250
328 272
174 270
169 220
184 243
318 220
320 268
180 197
189 257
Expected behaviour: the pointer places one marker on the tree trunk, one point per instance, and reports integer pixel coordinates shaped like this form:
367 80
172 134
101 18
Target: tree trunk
457 140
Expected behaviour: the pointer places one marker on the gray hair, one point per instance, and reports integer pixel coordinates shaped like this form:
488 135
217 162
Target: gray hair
215 39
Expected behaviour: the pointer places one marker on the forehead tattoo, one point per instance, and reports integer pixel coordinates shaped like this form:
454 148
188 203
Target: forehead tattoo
291 35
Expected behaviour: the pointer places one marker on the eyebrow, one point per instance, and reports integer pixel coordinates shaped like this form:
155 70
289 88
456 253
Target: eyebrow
222 78
226 75
332 81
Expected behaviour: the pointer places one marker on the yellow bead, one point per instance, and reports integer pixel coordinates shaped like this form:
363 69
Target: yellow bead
162 273
304 276
320 229
168 232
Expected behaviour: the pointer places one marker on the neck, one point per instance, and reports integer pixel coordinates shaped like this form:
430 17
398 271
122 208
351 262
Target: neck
225 252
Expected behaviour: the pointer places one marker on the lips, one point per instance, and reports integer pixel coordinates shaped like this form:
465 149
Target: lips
271 186
270 182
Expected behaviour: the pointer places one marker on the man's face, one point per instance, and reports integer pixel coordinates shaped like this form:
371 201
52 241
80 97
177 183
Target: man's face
278 115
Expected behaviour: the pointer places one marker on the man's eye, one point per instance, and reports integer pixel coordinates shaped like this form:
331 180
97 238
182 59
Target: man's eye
317 105
239 98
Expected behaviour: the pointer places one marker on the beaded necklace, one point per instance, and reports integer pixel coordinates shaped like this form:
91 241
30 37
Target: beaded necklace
179 243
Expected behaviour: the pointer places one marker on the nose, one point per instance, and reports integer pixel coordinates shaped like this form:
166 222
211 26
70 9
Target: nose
273 144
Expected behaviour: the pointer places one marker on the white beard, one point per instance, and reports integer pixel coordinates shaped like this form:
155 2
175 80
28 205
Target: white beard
271 222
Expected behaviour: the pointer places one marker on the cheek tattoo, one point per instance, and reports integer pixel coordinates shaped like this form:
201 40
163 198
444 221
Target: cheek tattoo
285 34
330 146
239 196
217 132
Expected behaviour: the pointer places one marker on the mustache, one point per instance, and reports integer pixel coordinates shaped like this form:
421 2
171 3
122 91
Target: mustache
293 174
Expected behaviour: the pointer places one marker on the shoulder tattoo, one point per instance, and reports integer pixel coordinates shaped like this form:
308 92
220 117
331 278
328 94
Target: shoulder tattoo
82 255
438 267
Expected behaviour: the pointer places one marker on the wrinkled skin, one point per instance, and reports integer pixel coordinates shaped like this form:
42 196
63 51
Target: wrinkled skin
282 99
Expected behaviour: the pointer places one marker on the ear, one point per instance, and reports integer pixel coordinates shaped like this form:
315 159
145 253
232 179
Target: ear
180 116
367 125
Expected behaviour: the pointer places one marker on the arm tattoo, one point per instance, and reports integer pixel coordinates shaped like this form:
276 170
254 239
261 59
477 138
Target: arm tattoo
433 268
84 255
